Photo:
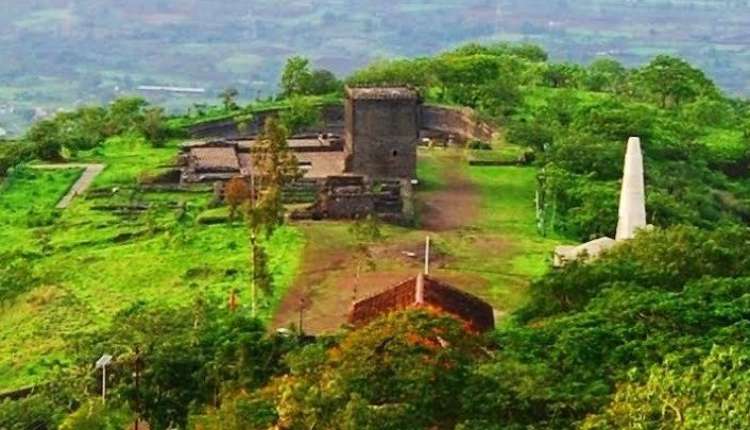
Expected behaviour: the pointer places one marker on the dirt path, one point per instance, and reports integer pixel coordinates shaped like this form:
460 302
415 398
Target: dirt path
326 279
84 182
327 276
453 206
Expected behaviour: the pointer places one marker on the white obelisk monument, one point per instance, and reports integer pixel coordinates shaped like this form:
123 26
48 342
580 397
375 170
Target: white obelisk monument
633 196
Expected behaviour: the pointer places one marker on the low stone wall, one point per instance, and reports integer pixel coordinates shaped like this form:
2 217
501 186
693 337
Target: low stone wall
442 120
332 120
394 299
460 122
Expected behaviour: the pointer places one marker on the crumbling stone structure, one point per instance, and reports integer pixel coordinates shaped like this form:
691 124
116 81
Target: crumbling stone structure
382 131
353 197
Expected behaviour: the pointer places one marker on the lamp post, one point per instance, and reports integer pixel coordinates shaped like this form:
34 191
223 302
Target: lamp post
102 363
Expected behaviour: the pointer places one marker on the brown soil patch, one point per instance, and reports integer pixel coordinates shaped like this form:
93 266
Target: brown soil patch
451 207
324 286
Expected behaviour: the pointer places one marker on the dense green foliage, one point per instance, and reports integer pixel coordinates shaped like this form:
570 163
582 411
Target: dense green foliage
297 79
646 343
61 136
577 119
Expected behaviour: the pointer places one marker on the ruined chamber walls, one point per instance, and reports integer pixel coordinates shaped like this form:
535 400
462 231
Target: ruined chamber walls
463 123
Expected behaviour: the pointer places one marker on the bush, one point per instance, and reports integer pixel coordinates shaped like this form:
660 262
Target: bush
13 154
478 145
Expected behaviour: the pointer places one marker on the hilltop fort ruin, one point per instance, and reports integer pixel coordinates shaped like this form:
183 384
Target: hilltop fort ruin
361 160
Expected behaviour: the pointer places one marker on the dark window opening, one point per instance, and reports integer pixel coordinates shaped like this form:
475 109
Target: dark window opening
395 153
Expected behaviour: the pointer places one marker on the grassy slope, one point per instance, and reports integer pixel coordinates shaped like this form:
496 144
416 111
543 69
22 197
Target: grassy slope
500 251
99 263
494 253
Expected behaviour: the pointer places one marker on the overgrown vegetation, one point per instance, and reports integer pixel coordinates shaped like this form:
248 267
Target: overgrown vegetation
651 335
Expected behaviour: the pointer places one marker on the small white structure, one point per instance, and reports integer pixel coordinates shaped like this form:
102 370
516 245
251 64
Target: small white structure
633 196
565 254
632 211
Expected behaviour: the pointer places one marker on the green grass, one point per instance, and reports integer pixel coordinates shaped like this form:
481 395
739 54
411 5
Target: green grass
95 263
508 209
500 251
429 172
502 153
28 199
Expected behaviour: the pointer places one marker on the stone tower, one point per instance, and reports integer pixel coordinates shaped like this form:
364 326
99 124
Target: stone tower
382 132
632 215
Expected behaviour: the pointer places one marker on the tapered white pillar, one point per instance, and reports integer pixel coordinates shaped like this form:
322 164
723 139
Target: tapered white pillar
632 216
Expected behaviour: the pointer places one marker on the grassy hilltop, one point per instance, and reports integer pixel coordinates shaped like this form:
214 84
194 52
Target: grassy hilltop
652 335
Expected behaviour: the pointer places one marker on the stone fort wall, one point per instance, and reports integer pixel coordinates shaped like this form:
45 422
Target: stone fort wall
332 120
460 122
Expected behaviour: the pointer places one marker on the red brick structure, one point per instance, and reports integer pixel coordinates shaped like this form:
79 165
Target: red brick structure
426 292
382 131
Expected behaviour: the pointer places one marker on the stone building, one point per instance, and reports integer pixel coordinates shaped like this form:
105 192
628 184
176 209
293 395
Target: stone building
425 292
382 129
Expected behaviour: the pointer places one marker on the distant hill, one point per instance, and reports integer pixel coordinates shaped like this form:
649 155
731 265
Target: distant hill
59 53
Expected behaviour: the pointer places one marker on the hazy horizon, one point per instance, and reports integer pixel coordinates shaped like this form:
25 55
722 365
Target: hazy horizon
63 53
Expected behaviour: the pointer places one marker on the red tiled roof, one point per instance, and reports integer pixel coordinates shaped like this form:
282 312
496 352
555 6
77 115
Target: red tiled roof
478 314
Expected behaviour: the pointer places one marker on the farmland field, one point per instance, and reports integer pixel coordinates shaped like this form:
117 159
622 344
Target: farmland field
214 45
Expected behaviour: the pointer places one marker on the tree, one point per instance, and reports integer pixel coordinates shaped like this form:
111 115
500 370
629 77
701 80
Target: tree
563 75
12 154
296 77
275 166
605 74
365 233
300 114
324 82
186 356
154 127
417 73
403 371
236 193
45 137
125 115
34 412
714 394
229 99
673 81
95 415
